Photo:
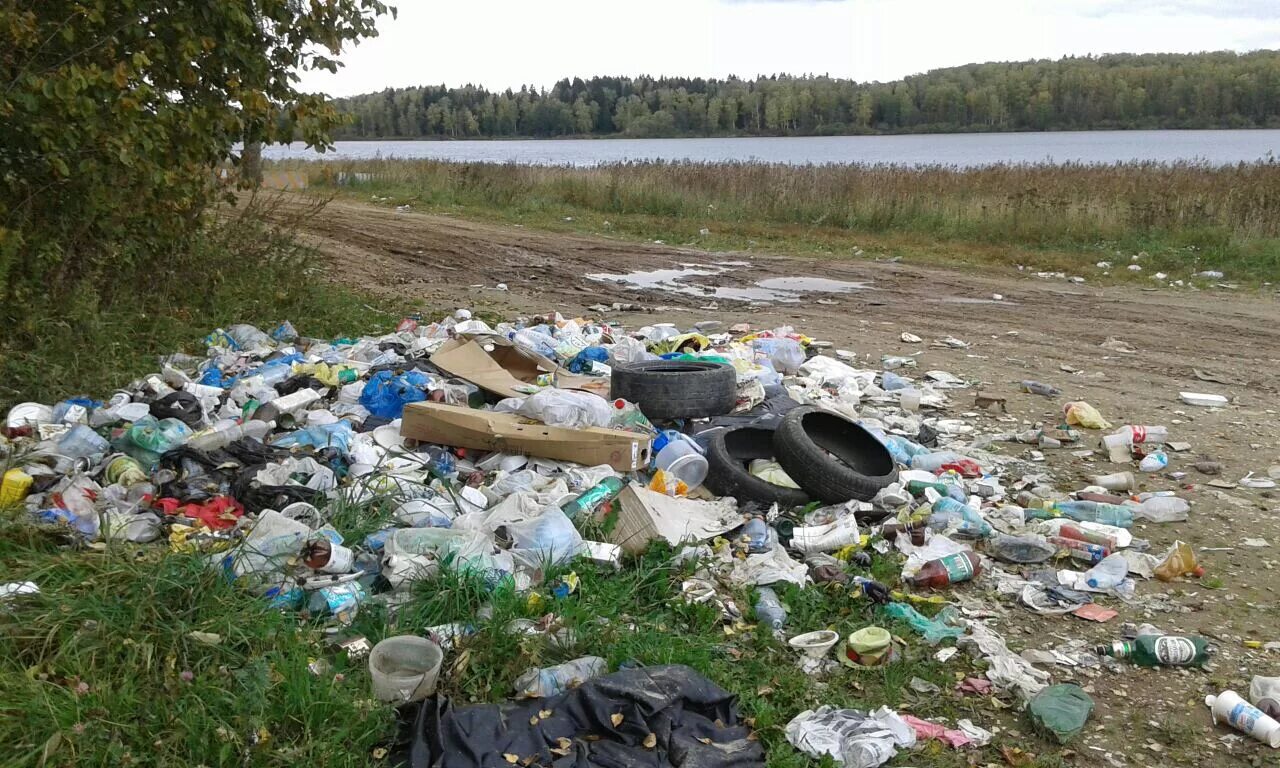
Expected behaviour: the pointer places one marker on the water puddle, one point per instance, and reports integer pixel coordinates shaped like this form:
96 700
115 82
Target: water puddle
785 290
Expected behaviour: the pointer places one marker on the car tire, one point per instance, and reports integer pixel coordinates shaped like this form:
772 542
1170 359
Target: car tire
833 459
727 475
676 389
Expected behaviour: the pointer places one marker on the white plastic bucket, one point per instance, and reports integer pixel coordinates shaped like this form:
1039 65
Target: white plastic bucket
681 458
815 645
404 668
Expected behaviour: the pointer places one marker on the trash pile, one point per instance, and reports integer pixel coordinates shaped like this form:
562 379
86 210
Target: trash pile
755 455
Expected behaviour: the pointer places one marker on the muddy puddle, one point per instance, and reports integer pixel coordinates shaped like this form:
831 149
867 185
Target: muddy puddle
780 290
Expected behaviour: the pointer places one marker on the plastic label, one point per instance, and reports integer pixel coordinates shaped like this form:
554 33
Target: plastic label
958 567
1175 651
1244 717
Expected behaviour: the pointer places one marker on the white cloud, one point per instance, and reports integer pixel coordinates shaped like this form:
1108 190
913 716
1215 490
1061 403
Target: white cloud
507 43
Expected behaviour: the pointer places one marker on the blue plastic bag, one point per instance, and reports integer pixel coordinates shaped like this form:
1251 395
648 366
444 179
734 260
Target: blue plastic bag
337 435
386 394
584 359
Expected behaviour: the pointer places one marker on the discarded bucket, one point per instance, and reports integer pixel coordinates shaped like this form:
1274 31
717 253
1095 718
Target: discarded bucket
404 668
868 647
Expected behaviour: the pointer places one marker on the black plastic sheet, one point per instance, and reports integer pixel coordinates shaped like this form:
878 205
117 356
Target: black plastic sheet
689 721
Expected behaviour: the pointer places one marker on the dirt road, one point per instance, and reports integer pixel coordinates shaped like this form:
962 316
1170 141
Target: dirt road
1044 329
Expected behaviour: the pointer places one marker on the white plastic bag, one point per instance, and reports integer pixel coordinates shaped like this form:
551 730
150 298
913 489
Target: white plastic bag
561 408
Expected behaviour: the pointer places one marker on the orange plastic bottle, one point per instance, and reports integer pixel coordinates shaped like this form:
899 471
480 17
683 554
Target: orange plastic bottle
1181 561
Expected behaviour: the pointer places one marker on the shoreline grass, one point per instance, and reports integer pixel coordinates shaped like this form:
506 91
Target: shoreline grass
1185 217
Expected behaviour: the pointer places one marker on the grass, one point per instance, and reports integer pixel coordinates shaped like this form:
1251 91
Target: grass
1185 217
112 329
93 671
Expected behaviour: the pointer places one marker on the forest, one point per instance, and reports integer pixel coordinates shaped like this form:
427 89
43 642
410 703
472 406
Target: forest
1208 90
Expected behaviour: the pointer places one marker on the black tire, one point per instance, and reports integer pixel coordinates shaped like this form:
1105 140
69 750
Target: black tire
727 452
676 389
831 458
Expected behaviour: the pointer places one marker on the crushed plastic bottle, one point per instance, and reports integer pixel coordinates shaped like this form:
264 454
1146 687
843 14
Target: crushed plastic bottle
1021 549
1162 509
1040 388
539 683
968 521
1087 511
1154 462
1109 573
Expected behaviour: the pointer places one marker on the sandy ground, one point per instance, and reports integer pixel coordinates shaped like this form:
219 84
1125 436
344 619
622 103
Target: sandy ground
1045 329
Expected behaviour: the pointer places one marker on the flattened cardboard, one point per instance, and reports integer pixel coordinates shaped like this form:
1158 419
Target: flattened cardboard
509 433
468 360
646 516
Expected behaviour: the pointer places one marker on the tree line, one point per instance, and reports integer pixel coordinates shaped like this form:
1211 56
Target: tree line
1209 90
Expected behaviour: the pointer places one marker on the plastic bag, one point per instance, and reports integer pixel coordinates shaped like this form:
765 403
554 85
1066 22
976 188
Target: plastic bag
1081 414
785 355
561 408
629 350
933 630
585 360
1061 711
336 435
550 534
386 394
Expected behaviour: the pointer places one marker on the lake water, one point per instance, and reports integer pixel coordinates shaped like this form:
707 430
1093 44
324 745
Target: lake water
959 149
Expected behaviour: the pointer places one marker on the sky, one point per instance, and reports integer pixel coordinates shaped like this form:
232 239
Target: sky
503 44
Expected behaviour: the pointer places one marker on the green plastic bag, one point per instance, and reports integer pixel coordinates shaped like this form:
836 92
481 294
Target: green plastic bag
1061 711
934 630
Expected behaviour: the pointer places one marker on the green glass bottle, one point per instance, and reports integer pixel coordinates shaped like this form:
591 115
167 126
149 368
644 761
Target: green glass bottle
1159 650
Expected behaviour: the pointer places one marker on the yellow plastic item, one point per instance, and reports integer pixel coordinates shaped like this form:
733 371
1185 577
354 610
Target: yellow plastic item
1081 414
670 486
685 342
1181 561
15 487
329 375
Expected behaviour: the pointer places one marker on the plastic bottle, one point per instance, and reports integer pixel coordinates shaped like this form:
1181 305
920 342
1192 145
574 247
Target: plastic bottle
901 449
890 381
81 442
1181 561
1109 573
320 554
1239 714
1021 549
1159 650
918 487
1110 541
1081 550
1089 512
933 461
1134 435
593 498
549 681
769 610
286 405
217 438
971 522
1040 388
952 569
759 536
1163 509
627 416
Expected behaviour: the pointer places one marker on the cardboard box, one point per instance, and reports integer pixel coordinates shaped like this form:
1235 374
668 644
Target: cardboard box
509 433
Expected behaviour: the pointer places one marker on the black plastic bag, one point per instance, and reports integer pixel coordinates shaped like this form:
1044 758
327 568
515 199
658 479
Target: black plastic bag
665 712
183 406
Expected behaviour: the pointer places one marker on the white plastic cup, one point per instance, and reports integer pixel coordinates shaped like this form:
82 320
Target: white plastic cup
404 668
1230 708
680 458
910 400
1116 481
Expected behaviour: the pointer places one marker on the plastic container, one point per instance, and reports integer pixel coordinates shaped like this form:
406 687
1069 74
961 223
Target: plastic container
815 645
404 668
15 487
769 610
287 405
223 436
868 647
682 459
1228 707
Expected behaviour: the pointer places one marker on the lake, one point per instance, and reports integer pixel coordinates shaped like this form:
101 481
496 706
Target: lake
959 149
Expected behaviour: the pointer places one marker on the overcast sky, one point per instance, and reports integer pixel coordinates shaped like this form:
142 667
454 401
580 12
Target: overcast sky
505 43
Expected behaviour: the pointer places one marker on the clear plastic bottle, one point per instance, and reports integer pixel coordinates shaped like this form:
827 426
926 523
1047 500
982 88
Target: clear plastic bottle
1109 573
217 438
287 405
933 461
769 610
540 683
1092 512
1163 509
81 442
628 416
1040 388
971 522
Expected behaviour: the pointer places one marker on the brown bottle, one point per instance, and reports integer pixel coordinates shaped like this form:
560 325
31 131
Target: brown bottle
891 531
952 569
